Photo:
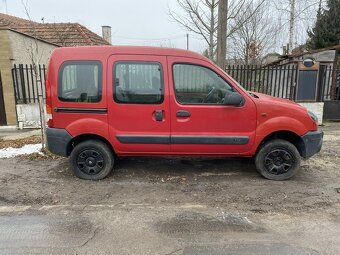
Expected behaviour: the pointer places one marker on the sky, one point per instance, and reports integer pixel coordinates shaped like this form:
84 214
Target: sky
134 22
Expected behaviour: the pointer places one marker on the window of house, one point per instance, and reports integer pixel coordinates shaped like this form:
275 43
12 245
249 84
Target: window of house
138 83
80 81
196 84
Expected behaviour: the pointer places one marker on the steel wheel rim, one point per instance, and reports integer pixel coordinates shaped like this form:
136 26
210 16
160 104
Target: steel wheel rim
90 162
278 161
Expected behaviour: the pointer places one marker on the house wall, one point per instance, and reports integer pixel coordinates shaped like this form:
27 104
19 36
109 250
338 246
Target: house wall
323 56
16 48
22 47
7 84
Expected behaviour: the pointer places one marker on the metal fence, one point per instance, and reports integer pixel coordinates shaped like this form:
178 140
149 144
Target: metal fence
26 86
279 81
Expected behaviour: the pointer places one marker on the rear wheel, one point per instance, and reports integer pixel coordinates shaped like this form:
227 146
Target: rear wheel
92 160
278 160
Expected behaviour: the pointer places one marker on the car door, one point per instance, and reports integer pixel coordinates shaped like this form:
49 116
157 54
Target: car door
138 104
200 122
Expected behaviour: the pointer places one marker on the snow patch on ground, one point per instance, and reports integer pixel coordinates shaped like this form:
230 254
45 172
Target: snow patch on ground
13 152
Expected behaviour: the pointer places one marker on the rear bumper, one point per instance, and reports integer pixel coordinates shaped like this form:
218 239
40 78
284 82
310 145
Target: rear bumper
312 143
58 141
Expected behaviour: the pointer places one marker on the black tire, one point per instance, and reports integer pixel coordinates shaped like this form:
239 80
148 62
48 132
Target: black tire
278 160
92 160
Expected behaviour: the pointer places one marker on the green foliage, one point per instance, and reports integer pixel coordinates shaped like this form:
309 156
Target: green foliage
326 31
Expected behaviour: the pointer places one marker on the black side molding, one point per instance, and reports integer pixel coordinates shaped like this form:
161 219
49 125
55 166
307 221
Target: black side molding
81 110
145 139
160 139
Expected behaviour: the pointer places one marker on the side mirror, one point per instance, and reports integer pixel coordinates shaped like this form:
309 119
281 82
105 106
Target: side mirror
233 98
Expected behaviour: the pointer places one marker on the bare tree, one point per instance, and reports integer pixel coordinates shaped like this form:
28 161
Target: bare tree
35 56
296 13
256 37
201 17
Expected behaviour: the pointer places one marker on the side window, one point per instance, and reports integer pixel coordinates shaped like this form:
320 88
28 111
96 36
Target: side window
80 81
138 83
199 85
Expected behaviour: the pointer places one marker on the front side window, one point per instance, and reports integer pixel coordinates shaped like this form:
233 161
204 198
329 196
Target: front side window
80 81
138 83
199 85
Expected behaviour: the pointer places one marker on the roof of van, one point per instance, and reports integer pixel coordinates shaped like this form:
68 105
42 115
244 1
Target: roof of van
133 50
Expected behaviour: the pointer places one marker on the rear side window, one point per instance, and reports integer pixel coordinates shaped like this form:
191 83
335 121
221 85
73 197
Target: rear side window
80 81
138 83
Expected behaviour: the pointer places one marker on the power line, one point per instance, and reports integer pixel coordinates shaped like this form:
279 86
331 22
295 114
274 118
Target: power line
150 39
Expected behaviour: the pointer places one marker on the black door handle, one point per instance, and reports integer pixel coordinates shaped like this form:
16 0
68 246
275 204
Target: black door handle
159 115
183 113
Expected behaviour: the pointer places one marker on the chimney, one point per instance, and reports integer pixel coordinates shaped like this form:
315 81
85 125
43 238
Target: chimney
106 31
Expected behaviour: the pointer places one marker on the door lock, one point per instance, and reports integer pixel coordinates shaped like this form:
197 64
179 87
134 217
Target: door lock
159 115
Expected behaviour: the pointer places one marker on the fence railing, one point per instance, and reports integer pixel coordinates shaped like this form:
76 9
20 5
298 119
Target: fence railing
26 86
279 81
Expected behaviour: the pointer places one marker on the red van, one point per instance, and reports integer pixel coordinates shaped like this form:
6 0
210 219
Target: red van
148 101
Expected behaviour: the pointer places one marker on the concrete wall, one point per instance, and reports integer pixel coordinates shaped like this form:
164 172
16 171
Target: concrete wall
5 67
23 46
28 115
328 55
316 108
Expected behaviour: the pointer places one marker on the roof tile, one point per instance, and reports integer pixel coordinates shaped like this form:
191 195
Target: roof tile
62 34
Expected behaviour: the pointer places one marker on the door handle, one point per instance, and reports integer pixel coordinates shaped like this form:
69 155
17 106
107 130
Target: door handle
158 115
183 114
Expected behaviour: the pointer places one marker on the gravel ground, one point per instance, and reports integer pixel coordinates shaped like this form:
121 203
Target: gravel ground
181 197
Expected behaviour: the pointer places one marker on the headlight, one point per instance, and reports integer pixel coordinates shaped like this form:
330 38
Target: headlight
313 116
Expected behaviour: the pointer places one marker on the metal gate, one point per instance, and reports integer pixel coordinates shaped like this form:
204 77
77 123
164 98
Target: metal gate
3 121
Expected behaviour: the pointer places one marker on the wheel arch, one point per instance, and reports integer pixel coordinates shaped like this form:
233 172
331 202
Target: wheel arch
286 135
85 137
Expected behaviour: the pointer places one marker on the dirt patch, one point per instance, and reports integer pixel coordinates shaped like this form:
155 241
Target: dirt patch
217 183
19 142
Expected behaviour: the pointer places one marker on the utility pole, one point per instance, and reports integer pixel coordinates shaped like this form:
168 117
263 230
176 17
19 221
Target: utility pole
292 24
187 41
221 50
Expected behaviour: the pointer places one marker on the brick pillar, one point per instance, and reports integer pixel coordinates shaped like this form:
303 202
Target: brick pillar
7 83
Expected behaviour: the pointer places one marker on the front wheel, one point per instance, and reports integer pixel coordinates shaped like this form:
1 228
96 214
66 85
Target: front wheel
92 160
278 160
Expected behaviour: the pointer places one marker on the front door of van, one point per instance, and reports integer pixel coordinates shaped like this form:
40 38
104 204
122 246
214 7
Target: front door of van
138 104
200 122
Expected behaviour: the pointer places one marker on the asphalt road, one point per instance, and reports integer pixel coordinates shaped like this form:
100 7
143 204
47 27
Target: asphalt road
172 206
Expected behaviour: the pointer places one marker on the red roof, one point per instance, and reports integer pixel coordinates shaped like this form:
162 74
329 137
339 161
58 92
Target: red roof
62 34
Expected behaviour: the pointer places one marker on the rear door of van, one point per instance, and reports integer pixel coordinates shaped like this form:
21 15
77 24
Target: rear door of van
138 104
78 93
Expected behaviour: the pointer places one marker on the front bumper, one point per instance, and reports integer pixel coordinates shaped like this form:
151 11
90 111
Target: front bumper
57 141
312 143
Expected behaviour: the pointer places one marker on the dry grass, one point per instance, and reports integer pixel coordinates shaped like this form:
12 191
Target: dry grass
44 155
20 142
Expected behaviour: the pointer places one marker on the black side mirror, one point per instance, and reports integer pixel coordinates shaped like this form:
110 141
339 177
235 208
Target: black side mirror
233 98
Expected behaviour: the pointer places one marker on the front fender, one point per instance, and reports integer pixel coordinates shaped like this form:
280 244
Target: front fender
273 125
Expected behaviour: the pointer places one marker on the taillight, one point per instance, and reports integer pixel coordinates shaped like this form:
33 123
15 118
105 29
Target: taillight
48 97
50 123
